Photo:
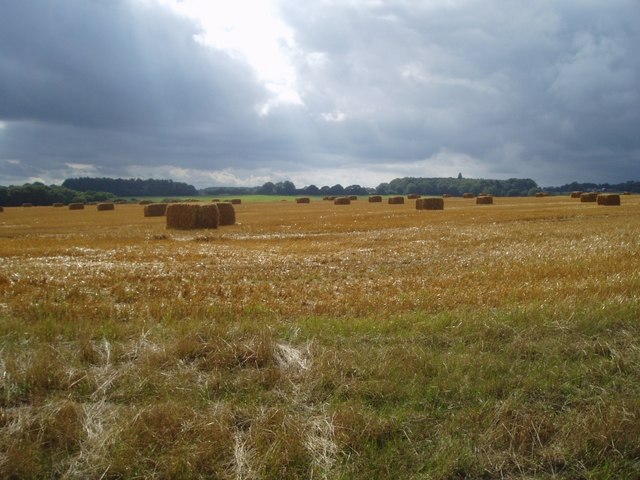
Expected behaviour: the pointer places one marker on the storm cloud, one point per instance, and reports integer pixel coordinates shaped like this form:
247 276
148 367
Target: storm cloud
545 90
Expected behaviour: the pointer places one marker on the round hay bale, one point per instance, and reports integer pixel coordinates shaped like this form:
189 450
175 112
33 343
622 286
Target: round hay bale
413 196
76 206
468 195
27 205
155 210
375 199
484 200
609 199
342 201
589 197
431 203
576 194
226 214
182 216
303 200
396 200
189 216
236 201
103 207
208 216
58 204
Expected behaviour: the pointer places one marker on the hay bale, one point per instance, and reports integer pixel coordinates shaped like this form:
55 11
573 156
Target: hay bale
396 200
626 193
541 194
375 199
208 216
236 201
413 196
103 207
27 205
155 210
432 203
226 214
303 200
58 204
342 201
76 206
1 209
609 199
353 197
188 216
446 195
484 200
468 195
576 194
589 197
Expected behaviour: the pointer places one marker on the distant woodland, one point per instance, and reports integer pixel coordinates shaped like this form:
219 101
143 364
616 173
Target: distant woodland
130 187
101 189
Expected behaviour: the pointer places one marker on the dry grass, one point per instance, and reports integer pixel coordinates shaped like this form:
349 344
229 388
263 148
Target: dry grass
368 342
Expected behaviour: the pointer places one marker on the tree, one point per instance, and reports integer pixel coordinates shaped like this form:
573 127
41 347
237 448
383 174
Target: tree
337 189
268 188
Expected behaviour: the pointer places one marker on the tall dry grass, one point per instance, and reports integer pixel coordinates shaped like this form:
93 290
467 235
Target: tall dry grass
368 342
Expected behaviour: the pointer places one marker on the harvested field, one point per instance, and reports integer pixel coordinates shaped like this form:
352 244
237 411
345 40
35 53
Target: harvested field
368 342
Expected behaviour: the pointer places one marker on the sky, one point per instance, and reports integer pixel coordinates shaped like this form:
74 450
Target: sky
222 93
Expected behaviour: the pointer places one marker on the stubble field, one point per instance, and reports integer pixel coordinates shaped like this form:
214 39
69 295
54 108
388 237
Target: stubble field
323 341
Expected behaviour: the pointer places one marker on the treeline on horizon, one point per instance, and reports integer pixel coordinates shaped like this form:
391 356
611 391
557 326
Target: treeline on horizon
88 189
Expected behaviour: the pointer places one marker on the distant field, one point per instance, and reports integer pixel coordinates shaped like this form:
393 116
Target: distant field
362 341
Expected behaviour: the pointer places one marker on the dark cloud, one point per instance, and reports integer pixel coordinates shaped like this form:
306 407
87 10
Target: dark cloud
547 90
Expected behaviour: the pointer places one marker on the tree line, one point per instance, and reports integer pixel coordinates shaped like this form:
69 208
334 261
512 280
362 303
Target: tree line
131 187
40 194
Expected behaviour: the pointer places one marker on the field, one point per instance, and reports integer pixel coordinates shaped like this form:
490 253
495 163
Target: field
313 341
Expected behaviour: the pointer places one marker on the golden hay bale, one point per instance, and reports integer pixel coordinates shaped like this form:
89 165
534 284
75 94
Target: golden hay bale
589 197
433 203
413 196
576 194
609 199
58 204
396 200
102 207
468 195
226 214
155 210
342 201
446 195
236 201
484 200
188 216
375 199
208 216
303 200
76 206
